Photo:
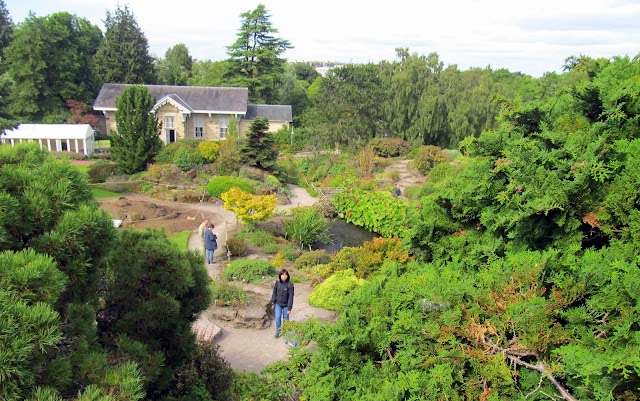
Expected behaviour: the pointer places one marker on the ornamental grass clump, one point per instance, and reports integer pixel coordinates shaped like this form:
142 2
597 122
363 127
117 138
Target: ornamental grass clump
307 226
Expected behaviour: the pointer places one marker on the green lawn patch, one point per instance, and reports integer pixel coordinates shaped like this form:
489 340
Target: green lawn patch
83 169
103 194
181 239
104 144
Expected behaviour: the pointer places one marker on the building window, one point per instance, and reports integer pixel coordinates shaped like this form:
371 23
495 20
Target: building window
198 127
169 129
223 123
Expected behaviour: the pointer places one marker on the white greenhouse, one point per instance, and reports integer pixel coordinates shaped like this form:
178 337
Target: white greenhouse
54 137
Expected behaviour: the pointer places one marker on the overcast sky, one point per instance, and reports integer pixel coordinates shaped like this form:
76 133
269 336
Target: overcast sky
522 35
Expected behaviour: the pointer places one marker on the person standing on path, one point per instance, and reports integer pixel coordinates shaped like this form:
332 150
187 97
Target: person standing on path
201 230
282 299
210 243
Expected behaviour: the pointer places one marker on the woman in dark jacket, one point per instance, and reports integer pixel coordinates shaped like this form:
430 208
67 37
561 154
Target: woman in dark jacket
282 299
210 243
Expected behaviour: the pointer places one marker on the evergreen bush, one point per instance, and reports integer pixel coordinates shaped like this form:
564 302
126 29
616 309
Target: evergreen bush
186 158
330 293
206 376
249 270
167 153
228 294
221 184
427 157
101 170
236 246
290 252
259 238
309 259
389 147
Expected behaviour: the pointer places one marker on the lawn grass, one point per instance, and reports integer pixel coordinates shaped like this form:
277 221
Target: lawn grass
103 194
83 169
181 239
104 144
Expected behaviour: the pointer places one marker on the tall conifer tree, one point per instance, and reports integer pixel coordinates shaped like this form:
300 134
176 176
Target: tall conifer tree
6 27
258 148
255 56
124 56
136 142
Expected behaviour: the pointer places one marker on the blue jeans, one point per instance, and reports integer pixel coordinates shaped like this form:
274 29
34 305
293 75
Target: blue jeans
281 312
209 256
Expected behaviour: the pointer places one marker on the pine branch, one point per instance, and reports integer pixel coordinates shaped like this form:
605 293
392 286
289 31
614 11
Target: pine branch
514 356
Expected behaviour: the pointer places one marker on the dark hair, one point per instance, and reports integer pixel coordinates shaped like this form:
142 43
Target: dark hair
284 271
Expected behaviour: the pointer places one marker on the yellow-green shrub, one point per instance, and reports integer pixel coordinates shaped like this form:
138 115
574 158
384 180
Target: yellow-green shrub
209 150
330 293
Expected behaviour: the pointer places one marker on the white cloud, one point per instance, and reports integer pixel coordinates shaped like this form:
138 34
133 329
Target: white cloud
528 36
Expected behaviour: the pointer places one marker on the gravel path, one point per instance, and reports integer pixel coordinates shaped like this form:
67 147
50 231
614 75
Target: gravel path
252 349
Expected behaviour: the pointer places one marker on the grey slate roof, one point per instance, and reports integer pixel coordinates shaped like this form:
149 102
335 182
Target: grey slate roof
196 98
177 99
272 112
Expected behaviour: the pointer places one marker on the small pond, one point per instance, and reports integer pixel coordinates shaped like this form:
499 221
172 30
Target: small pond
345 234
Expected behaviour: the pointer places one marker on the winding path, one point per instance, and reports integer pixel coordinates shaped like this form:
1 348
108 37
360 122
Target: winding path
244 348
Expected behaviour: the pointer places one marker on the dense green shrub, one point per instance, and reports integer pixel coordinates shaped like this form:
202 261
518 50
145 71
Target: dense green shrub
221 184
317 168
249 270
271 248
378 211
259 238
186 158
326 208
312 258
287 170
167 153
206 376
307 226
101 170
224 294
330 293
236 247
228 161
427 157
209 150
252 173
389 147
290 252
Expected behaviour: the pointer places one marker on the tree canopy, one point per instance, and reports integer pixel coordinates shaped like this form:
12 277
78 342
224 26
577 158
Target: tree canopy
6 27
50 61
123 57
526 280
255 56
73 322
175 68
